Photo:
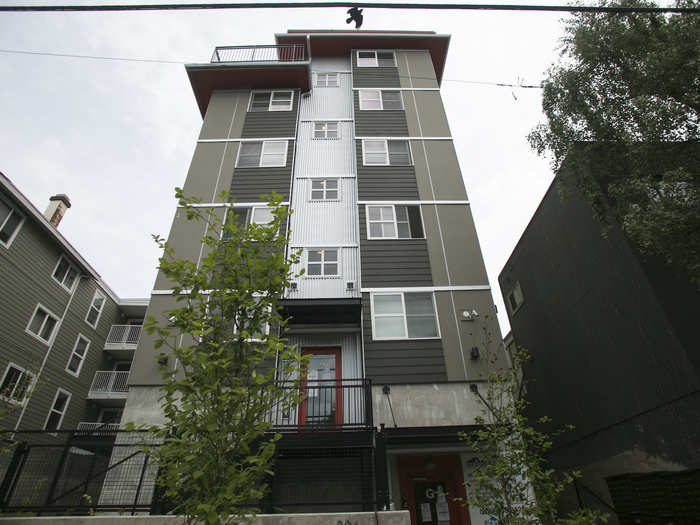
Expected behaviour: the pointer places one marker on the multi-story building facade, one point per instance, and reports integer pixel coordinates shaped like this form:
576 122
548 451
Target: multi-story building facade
395 306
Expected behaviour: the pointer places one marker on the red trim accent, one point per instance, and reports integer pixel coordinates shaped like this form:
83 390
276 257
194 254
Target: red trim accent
333 350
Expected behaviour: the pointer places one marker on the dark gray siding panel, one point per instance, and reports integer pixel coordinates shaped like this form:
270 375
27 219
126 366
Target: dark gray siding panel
374 76
393 262
372 123
385 182
249 183
401 361
272 123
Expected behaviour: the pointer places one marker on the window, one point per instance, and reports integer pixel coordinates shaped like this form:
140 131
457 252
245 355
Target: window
43 324
93 315
394 222
77 358
15 383
407 315
515 298
378 99
58 410
322 262
375 59
10 221
324 189
262 215
382 152
266 153
326 80
326 130
271 101
65 273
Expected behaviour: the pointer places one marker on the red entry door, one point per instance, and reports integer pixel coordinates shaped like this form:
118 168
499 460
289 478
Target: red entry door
323 399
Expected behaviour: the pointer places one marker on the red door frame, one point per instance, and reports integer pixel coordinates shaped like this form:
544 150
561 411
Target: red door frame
330 350
448 469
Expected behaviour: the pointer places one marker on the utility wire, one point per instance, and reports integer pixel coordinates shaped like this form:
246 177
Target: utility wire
368 5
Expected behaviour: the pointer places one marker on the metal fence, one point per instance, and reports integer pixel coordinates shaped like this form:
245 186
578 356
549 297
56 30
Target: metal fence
124 334
242 54
107 384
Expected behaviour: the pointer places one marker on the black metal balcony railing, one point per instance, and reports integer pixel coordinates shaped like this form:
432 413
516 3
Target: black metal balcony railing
243 54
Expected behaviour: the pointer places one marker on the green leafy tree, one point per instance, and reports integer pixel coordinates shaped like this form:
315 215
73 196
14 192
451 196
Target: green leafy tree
226 338
511 479
632 81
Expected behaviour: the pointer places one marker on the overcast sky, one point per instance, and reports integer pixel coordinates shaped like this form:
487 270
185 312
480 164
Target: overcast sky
118 136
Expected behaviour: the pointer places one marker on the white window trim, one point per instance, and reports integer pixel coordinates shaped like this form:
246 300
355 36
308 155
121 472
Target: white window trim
249 219
396 226
63 414
262 154
55 328
337 79
269 105
325 132
24 371
70 266
82 360
325 189
405 321
99 314
381 99
13 209
386 149
376 60
323 262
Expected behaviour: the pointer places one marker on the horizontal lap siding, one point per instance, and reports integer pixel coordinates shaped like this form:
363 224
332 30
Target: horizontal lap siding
374 76
271 123
385 182
401 361
248 184
379 123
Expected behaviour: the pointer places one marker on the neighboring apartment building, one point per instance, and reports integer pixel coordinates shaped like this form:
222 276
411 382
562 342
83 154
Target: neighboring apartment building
613 340
395 307
66 340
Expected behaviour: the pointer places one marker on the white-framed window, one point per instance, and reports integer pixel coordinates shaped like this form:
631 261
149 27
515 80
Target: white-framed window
380 99
261 154
326 130
271 101
515 298
261 215
322 262
95 310
16 383
377 58
325 190
58 410
43 324
10 222
326 80
77 357
65 273
383 152
394 221
404 315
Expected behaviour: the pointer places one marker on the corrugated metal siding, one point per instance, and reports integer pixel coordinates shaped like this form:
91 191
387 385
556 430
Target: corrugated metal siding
393 262
374 76
385 182
271 123
373 123
401 361
328 287
316 157
248 184
328 102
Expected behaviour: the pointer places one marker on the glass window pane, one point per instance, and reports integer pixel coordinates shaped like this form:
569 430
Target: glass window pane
332 194
4 211
61 270
385 59
81 346
10 226
37 321
70 278
332 184
315 256
389 327
375 158
60 404
317 194
374 213
375 230
74 363
387 213
401 214
277 146
273 160
261 102
52 422
388 229
98 301
331 269
403 231
419 303
392 100
48 328
374 146
387 304
262 216
421 327
331 255
316 184
314 269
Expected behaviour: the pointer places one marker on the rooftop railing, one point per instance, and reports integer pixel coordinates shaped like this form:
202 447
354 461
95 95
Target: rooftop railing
245 54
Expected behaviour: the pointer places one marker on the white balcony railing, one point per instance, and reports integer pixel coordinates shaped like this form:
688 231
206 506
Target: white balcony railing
109 385
123 336
273 53
98 428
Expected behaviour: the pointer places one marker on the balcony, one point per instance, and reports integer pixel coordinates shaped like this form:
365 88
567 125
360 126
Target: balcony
249 54
109 387
98 429
122 339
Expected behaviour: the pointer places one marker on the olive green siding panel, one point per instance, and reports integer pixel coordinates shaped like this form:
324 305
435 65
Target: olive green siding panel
271 123
211 170
416 69
374 76
444 180
425 114
385 182
375 123
393 262
400 361
225 115
248 184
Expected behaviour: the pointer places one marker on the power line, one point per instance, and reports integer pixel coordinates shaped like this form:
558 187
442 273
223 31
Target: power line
368 5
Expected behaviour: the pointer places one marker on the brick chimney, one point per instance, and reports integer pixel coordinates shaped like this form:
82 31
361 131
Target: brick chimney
58 204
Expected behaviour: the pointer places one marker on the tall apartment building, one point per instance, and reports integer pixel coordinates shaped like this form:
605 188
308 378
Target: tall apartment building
395 307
